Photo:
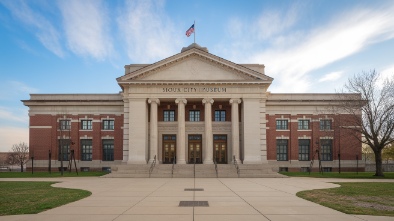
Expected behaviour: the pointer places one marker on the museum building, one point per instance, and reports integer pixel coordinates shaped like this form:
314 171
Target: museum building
191 108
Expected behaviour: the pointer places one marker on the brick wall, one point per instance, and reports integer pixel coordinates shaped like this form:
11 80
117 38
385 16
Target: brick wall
343 140
44 139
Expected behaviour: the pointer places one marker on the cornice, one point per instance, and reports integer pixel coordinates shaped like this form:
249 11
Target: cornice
197 53
147 82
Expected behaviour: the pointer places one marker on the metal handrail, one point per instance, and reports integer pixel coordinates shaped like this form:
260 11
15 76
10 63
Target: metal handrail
173 165
216 167
152 166
236 165
194 168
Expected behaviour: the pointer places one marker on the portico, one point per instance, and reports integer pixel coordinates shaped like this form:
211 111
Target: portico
185 119
194 107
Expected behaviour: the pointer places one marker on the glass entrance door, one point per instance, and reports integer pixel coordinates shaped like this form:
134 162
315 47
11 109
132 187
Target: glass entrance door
169 148
220 148
195 149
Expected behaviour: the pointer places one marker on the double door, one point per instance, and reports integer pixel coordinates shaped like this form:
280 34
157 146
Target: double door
194 149
169 148
220 148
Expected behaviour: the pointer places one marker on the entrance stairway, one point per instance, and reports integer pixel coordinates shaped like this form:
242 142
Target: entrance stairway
190 171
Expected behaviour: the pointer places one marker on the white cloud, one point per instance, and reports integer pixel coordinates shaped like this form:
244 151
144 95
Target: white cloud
271 23
44 30
147 31
331 76
235 27
87 28
349 33
386 73
12 135
12 90
22 87
7 114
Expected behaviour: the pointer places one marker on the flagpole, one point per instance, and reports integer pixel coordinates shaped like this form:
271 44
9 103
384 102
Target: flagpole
194 33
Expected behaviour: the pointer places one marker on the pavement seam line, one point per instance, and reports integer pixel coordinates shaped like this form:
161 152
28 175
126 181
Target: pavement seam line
244 199
143 198
272 187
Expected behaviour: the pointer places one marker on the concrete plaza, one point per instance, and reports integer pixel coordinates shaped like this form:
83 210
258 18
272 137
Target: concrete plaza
245 199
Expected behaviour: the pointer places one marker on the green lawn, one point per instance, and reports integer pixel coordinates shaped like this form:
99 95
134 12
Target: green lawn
352 175
46 174
34 197
356 198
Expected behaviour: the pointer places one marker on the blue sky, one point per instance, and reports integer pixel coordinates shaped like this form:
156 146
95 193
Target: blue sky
308 46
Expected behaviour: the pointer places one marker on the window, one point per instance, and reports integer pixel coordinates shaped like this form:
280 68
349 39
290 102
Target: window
303 150
219 137
65 124
304 169
108 124
326 150
169 137
281 124
194 115
220 115
303 124
325 124
327 169
86 150
64 149
283 169
85 169
195 137
281 150
108 150
169 115
86 124
106 169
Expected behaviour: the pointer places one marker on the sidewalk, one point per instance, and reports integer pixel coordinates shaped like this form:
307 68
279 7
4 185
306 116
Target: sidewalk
245 199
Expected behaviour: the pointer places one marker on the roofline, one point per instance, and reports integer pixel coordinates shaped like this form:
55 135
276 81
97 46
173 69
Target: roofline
190 51
193 82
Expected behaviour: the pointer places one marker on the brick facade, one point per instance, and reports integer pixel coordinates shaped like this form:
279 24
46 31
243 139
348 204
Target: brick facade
45 134
344 142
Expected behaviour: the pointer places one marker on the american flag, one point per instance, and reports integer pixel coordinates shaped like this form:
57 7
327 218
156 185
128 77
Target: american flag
190 31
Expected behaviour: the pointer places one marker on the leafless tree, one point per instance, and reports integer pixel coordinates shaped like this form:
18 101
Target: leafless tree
369 105
19 155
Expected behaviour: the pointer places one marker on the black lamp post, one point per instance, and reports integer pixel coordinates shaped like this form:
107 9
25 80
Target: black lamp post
32 164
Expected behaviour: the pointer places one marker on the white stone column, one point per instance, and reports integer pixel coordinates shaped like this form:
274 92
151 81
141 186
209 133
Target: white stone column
180 146
138 131
235 128
153 129
208 144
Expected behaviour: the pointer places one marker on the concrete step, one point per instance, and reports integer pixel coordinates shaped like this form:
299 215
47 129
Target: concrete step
120 175
191 170
162 171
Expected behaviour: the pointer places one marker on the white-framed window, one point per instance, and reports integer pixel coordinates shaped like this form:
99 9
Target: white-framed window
303 149
282 149
86 150
194 115
86 124
282 124
303 124
326 150
108 124
169 115
325 124
65 124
